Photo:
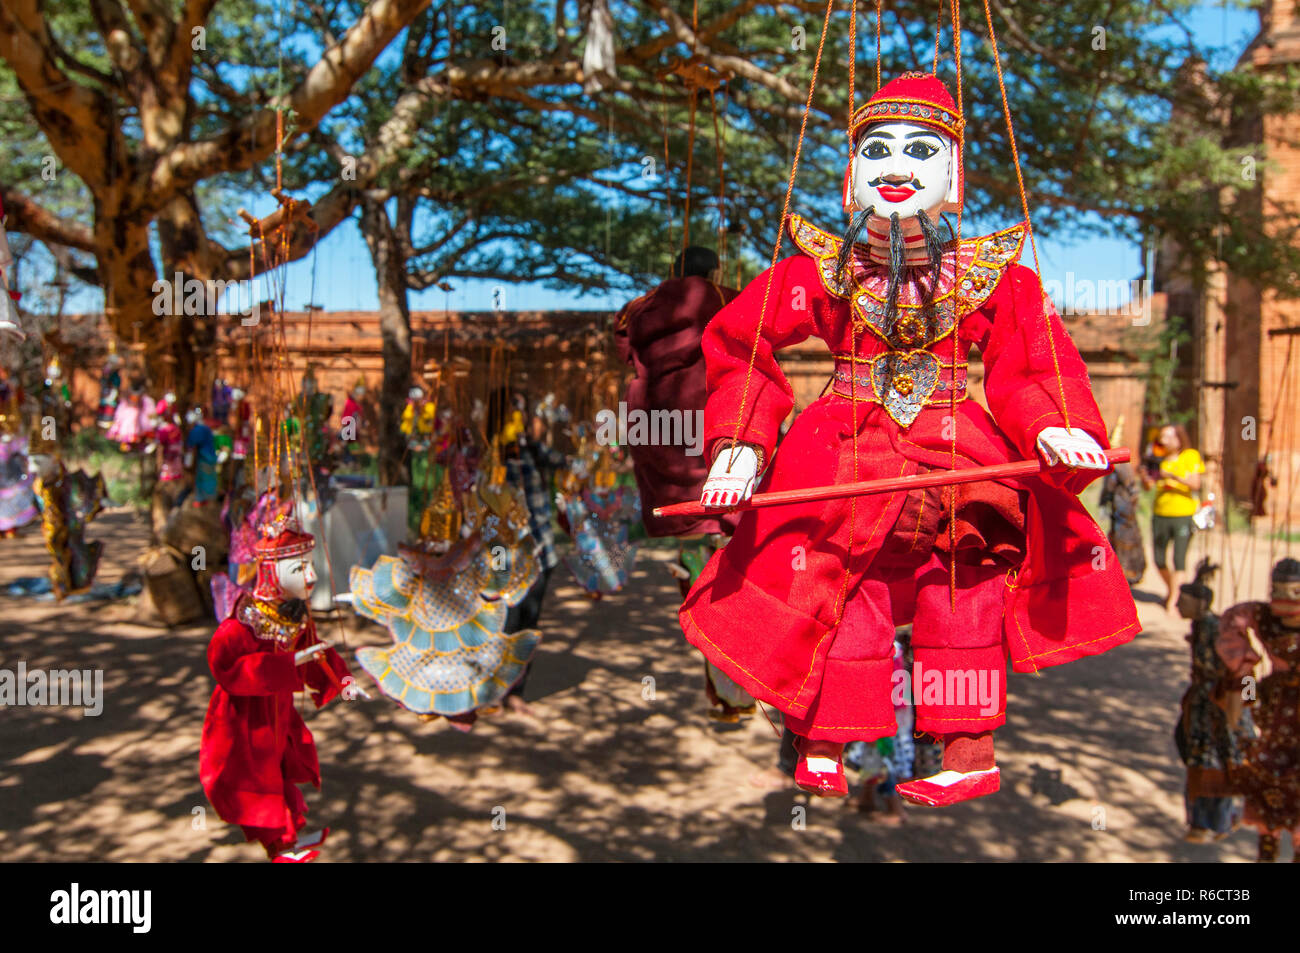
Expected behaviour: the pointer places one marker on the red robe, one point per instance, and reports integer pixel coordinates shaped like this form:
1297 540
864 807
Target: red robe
255 747
768 607
659 335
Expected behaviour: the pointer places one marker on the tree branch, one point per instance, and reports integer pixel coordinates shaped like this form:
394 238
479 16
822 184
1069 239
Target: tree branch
75 118
23 215
326 85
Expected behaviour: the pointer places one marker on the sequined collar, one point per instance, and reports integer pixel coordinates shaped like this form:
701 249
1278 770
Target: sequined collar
969 274
268 624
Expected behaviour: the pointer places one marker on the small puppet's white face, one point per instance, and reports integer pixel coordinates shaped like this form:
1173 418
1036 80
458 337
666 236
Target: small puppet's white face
904 168
297 576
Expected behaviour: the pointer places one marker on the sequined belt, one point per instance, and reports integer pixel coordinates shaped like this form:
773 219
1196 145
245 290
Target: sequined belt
903 382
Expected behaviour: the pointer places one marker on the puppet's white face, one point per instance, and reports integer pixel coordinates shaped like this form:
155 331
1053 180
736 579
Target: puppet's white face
904 168
296 576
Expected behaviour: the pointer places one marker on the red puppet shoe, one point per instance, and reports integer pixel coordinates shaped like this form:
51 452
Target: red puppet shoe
295 857
950 787
820 771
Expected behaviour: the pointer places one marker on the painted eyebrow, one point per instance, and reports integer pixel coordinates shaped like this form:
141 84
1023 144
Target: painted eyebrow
917 135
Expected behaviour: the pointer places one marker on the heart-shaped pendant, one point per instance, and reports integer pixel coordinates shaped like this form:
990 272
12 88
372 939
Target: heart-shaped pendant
904 381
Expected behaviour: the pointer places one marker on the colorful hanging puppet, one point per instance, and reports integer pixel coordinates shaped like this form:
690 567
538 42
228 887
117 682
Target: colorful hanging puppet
313 408
110 389
17 497
1270 777
223 396
352 420
242 438
801 606
201 454
445 602
419 417
598 514
69 501
255 749
1213 723
170 439
54 400
133 419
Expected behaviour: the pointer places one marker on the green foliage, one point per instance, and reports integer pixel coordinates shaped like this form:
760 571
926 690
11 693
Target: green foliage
1164 357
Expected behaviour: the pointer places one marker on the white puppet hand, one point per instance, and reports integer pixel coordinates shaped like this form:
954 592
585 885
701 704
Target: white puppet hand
309 653
1072 447
351 689
731 480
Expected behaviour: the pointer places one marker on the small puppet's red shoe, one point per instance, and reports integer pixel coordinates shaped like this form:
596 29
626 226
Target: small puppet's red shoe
295 857
821 775
950 787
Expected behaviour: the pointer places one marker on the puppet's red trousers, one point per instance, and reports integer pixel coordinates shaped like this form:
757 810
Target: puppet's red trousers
958 681
285 836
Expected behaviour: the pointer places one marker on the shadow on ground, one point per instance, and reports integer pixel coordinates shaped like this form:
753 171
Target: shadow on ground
619 764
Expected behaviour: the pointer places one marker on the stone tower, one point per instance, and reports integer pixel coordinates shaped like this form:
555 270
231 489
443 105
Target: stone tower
1244 367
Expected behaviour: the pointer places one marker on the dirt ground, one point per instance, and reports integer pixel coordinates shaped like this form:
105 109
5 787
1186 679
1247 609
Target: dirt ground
608 770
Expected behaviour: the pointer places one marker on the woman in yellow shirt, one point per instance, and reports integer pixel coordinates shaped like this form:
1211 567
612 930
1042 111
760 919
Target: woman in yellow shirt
1176 503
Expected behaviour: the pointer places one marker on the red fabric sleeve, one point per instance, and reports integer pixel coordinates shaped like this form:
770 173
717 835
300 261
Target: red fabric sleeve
241 668
795 301
323 687
1021 362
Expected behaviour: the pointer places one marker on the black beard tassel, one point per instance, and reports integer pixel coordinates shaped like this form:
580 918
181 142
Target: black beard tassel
293 609
896 265
850 239
934 249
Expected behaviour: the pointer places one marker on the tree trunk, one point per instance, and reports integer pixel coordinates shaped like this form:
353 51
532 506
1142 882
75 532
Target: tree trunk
128 274
395 330
185 250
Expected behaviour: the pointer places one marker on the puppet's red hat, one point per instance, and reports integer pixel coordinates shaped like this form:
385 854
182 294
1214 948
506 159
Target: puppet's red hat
919 98
913 97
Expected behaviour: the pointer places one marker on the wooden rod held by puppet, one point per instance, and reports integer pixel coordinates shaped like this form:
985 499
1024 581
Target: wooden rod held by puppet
1002 471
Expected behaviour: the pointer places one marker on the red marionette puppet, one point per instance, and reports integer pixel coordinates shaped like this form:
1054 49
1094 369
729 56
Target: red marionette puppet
800 607
256 748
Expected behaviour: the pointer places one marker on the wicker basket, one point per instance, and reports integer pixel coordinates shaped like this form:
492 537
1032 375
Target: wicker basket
171 585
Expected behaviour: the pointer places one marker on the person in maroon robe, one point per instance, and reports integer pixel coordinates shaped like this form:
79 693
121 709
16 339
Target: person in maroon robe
660 335
255 749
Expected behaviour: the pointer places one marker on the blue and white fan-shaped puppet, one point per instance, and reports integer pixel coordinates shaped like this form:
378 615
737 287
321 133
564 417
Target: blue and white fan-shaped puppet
444 601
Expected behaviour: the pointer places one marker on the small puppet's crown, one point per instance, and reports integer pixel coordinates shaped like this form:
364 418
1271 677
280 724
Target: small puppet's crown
281 537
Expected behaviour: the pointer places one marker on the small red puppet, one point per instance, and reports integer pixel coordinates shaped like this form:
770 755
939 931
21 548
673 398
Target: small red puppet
255 748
